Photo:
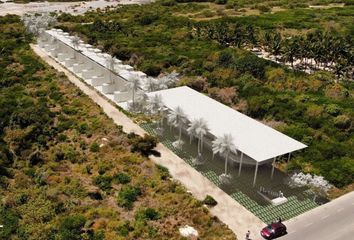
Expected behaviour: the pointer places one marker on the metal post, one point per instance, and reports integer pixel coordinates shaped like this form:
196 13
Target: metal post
271 175
239 168
255 175
287 162
288 158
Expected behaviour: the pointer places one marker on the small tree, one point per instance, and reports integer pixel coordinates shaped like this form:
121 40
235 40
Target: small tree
144 145
224 145
70 227
177 118
110 64
134 84
156 106
75 41
199 129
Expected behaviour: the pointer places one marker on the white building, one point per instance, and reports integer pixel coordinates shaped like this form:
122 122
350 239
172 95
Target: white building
257 142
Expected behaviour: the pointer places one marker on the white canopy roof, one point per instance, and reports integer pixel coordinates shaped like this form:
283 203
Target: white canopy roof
251 137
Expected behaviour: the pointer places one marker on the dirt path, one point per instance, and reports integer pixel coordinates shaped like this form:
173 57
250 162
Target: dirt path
228 210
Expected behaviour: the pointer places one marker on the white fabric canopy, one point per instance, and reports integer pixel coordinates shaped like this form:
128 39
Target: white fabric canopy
251 137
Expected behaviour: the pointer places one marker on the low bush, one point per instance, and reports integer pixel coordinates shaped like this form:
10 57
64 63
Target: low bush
144 145
70 227
104 182
94 147
164 173
210 201
9 219
127 196
121 178
147 214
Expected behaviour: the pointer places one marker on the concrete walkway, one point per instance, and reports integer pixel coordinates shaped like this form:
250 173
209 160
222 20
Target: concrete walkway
229 211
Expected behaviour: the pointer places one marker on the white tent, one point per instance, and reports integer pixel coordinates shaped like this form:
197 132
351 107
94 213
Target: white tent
253 138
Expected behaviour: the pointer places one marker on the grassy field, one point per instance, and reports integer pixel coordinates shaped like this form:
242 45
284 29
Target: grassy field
314 109
68 172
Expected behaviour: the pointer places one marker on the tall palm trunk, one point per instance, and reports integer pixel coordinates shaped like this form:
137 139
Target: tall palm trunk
180 133
199 140
133 99
161 121
226 160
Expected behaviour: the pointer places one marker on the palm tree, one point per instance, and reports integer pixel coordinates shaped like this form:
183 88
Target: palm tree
139 104
156 106
199 129
134 84
224 145
110 63
290 51
151 84
276 44
177 118
251 35
75 41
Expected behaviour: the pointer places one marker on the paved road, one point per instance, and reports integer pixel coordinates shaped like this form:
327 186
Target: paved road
332 221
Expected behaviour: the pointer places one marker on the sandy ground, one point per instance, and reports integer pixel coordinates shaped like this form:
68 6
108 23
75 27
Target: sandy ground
238 219
75 8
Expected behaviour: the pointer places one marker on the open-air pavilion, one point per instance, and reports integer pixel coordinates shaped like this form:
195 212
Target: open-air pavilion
257 143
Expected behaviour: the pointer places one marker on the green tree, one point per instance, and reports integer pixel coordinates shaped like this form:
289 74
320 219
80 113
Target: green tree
70 227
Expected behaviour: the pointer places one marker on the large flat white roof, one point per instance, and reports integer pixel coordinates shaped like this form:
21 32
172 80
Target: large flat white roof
251 137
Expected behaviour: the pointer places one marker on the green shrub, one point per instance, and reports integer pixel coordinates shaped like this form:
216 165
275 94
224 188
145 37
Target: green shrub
151 69
127 196
121 178
83 128
104 182
147 214
225 58
94 147
342 121
168 3
9 219
210 201
144 145
62 137
148 19
333 109
70 227
253 65
221 2
264 8
124 229
164 173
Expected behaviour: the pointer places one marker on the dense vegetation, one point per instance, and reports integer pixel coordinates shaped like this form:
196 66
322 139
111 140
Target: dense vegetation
314 109
68 172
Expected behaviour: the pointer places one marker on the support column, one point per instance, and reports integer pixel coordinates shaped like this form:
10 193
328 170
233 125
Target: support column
271 175
288 158
255 175
287 162
239 168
